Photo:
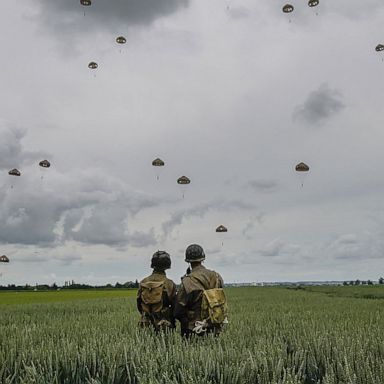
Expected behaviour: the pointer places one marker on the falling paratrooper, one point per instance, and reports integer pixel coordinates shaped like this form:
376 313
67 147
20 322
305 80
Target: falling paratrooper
313 3
86 3
288 8
302 170
158 163
183 181
221 229
44 164
380 48
14 172
121 40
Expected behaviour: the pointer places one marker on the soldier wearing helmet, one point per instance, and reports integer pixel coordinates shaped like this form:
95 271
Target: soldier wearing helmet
188 307
156 295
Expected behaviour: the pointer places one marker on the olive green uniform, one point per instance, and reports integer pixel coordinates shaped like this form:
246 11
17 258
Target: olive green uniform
189 297
165 317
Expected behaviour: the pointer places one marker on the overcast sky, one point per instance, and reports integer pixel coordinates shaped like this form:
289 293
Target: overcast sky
232 94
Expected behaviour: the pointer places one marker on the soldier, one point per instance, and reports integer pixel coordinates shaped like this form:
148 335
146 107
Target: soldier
156 295
193 301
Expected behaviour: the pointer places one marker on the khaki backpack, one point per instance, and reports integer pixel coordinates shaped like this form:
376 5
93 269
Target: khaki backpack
152 296
214 308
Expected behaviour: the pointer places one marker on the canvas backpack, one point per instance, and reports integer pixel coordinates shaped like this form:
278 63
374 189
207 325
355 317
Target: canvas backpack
214 308
152 296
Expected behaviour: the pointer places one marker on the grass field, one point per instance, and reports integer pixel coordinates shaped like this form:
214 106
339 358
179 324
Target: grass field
275 335
29 297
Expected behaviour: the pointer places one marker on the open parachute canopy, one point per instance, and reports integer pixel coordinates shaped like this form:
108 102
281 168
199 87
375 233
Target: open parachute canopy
45 164
379 48
221 228
121 40
183 180
313 3
4 259
92 65
288 8
14 172
86 3
302 167
158 163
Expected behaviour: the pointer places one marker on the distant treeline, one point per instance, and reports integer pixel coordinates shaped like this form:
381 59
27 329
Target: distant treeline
67 285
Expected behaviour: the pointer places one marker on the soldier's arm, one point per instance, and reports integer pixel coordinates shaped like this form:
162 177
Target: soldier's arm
221 281
180 304
138 300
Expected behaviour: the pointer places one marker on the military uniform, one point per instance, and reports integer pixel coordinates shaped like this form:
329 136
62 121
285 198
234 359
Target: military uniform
189 297
164 318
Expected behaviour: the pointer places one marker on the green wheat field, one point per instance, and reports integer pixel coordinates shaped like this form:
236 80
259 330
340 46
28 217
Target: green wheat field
276 335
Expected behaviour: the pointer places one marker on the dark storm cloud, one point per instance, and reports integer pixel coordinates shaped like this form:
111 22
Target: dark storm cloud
67 15
178 217
320 106
12 152
265 186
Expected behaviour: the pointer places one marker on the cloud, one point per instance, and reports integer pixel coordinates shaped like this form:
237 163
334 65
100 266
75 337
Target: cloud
66 17
239 12
12 152
356 247
179 216
265 186
81 206
321 105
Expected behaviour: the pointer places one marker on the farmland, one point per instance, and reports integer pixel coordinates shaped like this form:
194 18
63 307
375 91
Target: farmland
275 335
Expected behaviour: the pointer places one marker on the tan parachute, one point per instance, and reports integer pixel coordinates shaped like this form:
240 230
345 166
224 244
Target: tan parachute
313 3
44 164
158 163
92 65
14 172
221 228
288 8
121 40
302 170
183 181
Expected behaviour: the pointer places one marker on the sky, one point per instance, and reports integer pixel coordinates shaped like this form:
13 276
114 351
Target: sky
230 93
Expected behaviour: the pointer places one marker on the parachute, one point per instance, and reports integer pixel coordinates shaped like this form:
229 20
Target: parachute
92 65
158 163
45 164
221 228
183 181
313 3
288 8
302 170
379 48
121 40
14 172
4 259
302 167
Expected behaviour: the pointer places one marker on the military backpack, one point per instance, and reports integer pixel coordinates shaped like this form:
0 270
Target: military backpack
214 308
152 296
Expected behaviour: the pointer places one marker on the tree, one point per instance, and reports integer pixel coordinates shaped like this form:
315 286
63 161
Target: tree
381 280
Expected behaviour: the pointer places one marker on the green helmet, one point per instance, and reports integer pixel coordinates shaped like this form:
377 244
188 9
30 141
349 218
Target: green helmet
194 253
161 260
